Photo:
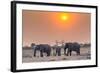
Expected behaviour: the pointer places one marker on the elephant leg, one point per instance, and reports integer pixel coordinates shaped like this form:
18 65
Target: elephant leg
54 52
34 53
48 53
41 53
64 51
78 53
70 52
59 52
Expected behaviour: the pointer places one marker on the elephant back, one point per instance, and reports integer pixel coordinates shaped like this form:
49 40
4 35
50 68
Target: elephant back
76 45
45 47
72 45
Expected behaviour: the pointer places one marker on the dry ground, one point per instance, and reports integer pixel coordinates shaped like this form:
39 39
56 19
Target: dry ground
27 56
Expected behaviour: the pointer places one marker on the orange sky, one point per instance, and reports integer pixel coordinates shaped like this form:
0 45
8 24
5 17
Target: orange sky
46 27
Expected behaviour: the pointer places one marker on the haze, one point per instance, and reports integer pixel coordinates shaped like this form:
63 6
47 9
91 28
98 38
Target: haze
45 27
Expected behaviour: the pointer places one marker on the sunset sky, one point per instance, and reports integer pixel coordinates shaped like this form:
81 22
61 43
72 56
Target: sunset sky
46 27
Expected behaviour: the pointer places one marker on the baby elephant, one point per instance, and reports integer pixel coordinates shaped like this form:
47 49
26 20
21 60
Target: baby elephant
57 50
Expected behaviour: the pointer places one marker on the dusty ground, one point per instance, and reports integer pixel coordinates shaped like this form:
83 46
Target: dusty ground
27 56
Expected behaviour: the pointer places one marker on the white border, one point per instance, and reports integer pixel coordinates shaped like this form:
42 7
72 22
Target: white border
35 65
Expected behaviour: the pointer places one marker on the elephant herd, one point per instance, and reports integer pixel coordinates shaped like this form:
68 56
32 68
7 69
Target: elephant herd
46 49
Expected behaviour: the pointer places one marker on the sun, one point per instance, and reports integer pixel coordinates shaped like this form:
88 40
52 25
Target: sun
62 20
64 17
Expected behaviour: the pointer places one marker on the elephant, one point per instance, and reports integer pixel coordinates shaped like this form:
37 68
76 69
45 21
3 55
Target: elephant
72 47
57 50
42 48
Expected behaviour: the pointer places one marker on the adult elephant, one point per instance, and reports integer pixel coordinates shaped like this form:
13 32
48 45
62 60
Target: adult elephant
43 48
72 47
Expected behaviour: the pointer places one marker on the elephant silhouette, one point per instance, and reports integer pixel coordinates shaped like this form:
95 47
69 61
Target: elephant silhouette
42 48
57 50
71 47
57 47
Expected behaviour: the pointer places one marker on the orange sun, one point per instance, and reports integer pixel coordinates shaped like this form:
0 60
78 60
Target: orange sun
62 20
64 17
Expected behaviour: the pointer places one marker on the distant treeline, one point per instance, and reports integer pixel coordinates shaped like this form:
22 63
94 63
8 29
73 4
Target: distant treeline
85 45
27 47
82 45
